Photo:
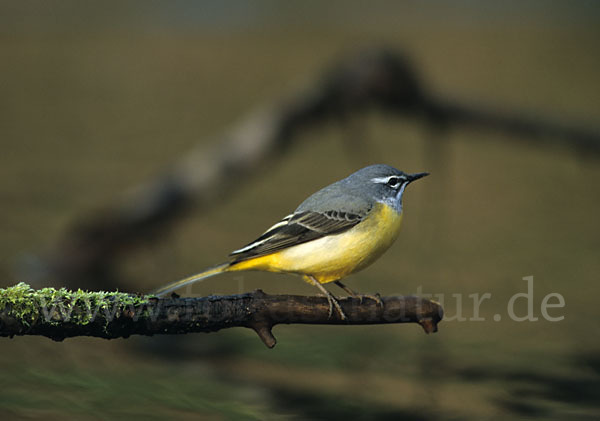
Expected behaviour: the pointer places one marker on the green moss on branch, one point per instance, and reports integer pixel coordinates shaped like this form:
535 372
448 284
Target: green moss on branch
48 311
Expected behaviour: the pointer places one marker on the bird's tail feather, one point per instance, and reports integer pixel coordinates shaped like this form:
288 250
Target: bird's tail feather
215 270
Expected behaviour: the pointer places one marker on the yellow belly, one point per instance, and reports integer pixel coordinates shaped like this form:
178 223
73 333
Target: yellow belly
335 256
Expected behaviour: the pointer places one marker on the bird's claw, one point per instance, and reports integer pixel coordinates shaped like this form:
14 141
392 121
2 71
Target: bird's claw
334 303
375 297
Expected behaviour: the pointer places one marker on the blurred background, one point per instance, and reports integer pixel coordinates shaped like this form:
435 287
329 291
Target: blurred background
99 98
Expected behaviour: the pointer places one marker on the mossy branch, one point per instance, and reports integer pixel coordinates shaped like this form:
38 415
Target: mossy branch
60 313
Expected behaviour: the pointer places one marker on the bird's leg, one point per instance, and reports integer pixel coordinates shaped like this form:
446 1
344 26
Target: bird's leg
376 297
348 290
330 298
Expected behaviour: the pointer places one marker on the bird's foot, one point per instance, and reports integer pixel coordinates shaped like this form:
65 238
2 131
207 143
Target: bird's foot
375 297
333 302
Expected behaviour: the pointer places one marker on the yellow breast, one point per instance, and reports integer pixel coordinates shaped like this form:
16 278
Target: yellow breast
335 256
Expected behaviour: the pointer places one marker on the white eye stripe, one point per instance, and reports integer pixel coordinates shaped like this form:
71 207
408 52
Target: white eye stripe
385 180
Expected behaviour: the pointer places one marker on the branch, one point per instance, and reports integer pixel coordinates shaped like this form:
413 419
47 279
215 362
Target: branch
60 314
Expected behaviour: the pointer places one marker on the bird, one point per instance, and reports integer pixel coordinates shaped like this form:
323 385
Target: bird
335 232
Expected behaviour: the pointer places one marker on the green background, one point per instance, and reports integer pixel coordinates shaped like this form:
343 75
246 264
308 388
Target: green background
98 97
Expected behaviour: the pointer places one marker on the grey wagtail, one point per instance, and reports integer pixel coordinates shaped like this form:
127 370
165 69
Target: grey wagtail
337 231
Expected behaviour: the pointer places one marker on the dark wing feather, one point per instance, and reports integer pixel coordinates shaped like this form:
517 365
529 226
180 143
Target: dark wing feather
300 228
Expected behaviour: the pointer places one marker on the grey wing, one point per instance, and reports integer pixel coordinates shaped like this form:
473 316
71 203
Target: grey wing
295 229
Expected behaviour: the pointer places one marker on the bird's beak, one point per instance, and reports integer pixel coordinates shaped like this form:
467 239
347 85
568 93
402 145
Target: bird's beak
413 177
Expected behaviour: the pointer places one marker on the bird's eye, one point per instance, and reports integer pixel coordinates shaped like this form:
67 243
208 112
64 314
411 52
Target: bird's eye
393 182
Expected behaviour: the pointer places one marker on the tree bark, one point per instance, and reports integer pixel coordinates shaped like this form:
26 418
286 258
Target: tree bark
60 314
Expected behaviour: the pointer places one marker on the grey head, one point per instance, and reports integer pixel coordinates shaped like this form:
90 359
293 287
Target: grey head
357 193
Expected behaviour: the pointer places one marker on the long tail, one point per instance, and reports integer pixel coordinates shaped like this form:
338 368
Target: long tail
215 270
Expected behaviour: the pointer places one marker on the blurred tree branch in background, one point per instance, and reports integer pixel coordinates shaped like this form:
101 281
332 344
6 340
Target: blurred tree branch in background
372 79
60 313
